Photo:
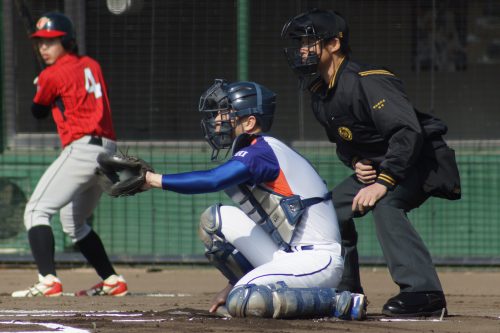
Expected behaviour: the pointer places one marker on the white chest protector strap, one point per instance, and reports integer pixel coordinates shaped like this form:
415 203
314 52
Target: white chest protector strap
276 214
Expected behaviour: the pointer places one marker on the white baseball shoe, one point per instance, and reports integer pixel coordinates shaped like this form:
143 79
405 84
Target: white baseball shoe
115 285
48 285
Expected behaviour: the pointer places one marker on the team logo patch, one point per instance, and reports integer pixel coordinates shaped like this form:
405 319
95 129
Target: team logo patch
345 133
42 22
241 153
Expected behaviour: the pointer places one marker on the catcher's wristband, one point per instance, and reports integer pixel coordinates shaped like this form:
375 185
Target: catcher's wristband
387 180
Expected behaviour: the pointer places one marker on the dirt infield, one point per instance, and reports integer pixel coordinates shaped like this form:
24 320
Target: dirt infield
175 300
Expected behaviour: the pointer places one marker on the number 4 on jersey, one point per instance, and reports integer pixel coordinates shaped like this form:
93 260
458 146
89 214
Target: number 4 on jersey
90 85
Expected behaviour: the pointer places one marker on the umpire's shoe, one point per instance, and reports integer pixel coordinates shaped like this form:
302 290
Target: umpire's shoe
416 304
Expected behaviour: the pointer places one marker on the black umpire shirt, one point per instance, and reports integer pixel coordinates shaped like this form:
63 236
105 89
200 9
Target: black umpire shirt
366 112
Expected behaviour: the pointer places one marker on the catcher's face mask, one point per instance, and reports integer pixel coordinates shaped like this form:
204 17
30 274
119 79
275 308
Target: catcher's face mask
218 121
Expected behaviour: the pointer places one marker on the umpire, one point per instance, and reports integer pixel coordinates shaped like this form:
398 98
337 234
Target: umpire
398 154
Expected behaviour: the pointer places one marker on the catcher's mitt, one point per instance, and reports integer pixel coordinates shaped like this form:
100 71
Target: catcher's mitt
121 175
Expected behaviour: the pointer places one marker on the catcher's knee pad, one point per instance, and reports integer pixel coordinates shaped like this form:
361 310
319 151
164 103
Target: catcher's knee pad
280 301
223 255
250 300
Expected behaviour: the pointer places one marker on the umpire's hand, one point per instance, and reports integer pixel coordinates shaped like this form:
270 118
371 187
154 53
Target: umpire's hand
367 197
365 171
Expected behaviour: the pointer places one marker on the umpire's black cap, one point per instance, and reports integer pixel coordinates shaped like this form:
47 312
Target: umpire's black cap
319 24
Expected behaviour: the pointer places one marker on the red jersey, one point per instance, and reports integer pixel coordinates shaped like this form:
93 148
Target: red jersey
75 87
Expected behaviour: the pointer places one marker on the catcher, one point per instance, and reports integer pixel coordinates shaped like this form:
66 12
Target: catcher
280 249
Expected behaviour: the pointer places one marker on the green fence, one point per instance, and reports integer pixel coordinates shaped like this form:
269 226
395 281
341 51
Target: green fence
158 226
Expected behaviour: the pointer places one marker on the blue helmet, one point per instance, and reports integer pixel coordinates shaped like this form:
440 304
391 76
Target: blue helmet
237 99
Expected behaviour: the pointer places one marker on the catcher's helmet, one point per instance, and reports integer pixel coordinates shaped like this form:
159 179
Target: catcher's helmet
310 27
237 99
53 25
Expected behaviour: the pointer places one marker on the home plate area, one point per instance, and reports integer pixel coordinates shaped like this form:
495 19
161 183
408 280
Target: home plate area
177 299
70 321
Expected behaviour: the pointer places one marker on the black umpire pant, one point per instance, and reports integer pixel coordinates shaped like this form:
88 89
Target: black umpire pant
405 253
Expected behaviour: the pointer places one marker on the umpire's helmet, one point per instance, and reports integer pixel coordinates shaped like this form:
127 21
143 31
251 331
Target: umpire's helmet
237 99
310 27
53 25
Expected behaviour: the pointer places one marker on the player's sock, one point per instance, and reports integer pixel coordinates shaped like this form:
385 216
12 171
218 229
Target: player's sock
93 250
42 246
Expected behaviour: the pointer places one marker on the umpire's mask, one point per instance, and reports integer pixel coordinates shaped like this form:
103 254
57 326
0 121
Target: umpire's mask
307 29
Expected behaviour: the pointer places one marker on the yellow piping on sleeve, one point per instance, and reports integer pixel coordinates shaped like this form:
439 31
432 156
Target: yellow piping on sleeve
376 71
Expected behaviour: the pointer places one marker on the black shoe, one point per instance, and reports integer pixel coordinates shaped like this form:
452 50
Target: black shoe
416 304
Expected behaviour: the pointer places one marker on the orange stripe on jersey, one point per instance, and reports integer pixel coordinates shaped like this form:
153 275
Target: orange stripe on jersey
280 185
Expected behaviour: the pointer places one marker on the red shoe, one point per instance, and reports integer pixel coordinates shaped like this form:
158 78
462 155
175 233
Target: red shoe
48 285
115 285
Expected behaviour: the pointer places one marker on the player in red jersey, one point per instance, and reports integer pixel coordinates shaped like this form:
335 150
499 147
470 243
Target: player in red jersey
73 88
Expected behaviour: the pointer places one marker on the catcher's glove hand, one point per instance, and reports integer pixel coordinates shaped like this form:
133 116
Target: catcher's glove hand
121 175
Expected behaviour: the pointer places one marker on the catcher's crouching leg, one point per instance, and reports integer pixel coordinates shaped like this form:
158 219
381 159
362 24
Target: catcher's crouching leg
280 301
223 255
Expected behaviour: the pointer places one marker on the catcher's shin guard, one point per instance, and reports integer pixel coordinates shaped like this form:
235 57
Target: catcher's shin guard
250 301
223 255
280 301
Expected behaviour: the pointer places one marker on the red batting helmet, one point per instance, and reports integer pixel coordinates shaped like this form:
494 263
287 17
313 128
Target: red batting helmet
52 25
